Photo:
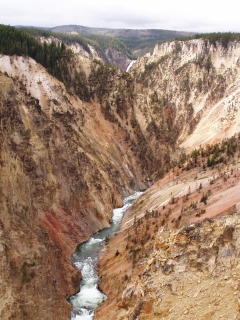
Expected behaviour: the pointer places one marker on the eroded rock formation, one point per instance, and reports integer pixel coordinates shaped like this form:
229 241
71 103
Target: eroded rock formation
62 172
189 273
177 254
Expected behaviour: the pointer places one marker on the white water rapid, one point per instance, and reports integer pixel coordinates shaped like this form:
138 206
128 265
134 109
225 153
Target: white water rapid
85 258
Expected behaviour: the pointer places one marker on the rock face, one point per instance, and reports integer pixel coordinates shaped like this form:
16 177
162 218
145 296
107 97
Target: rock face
35 272
195 85
190 273
117 58
166 272
110 55
176 255
62 170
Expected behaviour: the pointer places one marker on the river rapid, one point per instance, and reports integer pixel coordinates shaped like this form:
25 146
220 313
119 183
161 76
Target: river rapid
85 258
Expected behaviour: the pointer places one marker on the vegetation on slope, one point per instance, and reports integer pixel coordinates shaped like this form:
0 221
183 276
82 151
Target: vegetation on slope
67 39
52 56
105 42
138 41
145 40
210 155
56 58
223 37
99 42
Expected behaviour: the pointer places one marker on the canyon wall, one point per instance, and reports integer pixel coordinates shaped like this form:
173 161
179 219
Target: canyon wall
185 273
109 56
66 162
176 255
193 84
62 172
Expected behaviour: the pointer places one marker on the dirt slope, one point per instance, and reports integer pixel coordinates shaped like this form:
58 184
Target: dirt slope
177 254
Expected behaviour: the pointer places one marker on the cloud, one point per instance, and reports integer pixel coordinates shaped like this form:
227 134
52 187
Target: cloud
203 16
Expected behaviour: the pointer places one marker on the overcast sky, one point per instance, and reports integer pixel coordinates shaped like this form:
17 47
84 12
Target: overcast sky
197 16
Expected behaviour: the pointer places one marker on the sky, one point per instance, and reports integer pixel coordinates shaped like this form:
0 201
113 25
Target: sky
196 16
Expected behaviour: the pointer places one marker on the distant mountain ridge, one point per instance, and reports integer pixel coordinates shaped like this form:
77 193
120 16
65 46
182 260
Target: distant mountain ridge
139 41
115 46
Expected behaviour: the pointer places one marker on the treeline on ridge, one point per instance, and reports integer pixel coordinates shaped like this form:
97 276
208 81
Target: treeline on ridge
99 42
222 37
210 155
66 38
56 58
52 56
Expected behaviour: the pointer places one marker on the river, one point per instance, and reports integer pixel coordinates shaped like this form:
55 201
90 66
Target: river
85 258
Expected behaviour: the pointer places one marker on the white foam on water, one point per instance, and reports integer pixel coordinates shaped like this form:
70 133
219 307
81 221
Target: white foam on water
84 314
88 271
88 297
93 240
117 215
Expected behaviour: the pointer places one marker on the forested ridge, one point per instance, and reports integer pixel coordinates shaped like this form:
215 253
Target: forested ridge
222 37
56 58
66 38
53 57
99 42
138 41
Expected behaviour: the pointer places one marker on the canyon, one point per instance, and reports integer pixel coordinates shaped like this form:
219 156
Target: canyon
66 161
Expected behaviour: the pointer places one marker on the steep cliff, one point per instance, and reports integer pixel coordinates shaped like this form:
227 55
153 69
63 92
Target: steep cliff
36 275
185 273
107 54
177 254
194 85
62 171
